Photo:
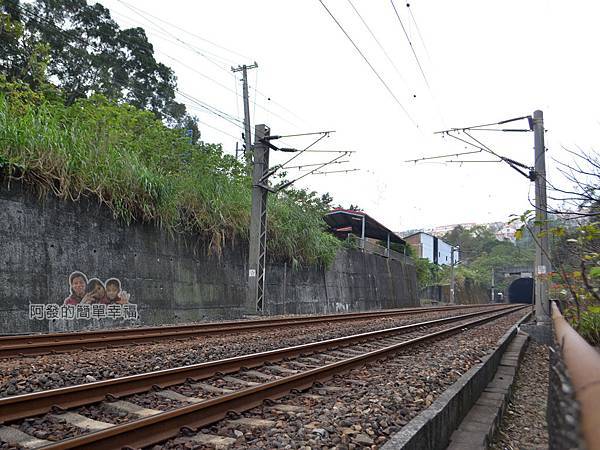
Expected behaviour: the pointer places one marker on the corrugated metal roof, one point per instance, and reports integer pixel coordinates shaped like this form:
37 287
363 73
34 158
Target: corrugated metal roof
347 220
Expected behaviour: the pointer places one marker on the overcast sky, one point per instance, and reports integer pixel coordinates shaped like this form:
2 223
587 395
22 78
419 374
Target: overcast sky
484 62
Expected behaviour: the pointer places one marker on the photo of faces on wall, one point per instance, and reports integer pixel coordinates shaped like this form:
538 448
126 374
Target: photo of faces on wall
89 298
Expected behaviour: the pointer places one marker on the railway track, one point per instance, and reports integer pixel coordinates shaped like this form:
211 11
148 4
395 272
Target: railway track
39 344
207 391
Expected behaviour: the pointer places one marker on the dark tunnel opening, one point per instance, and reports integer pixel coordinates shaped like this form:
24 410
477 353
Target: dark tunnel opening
521 291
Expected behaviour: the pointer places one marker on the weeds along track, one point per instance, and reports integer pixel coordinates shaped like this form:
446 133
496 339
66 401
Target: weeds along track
142 410
39 344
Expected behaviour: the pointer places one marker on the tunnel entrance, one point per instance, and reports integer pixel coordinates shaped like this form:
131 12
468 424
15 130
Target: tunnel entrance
521 291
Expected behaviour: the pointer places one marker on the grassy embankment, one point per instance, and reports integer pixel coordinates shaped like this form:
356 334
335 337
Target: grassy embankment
144 171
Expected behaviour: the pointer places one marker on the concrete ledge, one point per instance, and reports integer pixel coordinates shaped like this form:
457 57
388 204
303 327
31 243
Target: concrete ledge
431 429
484 417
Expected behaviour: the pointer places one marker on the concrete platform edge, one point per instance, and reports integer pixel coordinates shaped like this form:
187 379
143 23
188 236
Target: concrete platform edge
432 428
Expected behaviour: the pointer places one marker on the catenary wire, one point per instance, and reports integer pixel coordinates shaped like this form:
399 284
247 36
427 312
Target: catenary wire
378 42
368 63
410 44
431 93
418 30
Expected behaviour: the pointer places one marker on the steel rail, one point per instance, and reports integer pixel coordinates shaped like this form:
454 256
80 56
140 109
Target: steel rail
160 427
36 344
27 405
583 365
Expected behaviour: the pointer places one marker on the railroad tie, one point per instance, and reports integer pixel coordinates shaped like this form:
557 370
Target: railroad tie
14 436
282 370
355 382
131 408
288 408
172 395
252 422
341 354
350 353
85 423
329 357
362 349
240 381
260 375
331 389
299 364
312 360
211 389
219 442
312 396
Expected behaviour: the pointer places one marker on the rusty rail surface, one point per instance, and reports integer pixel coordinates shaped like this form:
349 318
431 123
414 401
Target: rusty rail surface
160 427
36 344
27 405
583 364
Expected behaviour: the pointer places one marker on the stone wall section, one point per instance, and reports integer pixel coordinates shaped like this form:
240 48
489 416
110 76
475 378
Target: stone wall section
171 277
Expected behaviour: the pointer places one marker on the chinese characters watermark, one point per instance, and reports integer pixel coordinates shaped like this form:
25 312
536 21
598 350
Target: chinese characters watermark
41 311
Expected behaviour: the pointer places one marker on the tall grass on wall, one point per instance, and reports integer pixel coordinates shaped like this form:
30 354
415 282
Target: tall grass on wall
145 171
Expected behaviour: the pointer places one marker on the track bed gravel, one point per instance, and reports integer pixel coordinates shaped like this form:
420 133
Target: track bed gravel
29 374
524 424
362 408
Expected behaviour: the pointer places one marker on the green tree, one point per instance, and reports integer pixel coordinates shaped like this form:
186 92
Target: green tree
88 53
473 242
481 253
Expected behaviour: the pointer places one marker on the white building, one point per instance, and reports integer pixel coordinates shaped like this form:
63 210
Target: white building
431 247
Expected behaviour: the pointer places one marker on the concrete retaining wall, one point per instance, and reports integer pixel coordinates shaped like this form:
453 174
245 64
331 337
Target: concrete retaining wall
467 293
170 278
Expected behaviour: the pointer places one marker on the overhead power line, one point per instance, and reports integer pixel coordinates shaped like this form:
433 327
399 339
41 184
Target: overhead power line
378 43
418 30
472 161
194 49
211 109
144 14
474 142
411 45
316 169
369 64
314 164
207 107
442 156
196 35
159 32
335 171
502 122
184 44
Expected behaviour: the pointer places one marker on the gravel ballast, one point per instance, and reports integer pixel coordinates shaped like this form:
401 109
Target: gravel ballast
364 407
524 424
30 374
420 381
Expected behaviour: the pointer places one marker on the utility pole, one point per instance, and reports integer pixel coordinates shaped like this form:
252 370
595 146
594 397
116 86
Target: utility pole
258 222
257 255
542 263
493 285
247 137
452 278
